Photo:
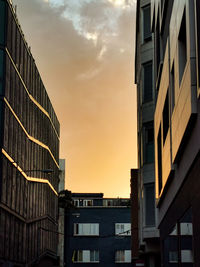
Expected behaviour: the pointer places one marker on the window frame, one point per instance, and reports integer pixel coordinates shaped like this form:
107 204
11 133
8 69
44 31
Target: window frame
147 144
146 35
147 95
80 229
123 256
79 256
146 186
86 202
124 229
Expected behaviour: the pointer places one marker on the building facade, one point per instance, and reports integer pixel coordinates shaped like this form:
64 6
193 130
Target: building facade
177 128
144 177
98 231
29 156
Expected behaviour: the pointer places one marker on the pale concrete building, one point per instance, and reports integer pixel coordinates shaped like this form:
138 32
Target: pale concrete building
148 247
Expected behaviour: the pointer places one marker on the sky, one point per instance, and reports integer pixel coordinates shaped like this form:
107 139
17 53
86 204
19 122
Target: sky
84 50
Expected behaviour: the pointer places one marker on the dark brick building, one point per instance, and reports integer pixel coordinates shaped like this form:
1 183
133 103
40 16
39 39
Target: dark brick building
98 231
29 143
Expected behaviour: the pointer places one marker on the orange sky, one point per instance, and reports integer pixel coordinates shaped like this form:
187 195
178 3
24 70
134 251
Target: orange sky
84 50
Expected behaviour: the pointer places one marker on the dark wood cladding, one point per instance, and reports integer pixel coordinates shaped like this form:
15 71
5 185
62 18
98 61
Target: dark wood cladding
30 137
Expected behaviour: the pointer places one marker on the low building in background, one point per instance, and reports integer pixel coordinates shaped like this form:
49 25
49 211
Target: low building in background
29 147
98 231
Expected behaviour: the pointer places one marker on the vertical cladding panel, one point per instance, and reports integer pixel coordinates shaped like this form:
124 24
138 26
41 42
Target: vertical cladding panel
21 211
18 44
9 30
21 58
4 181
9 184
25 65
16 240
12 239
7 236
8 78
13 40
2 61
18 188
6 126
1 233
14 193
2 22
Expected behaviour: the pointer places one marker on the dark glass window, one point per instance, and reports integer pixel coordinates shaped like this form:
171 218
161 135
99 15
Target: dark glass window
147 23
149 143
182 47
149 192
148 82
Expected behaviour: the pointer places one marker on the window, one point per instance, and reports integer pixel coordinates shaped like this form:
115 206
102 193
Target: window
123 229
186 237
123 256
86 229
165 118
85 256
146 23
94 256
178 244
87 202
172 89
148 143
159 147
173 256
148 82
108 202
186 256
76 202
149 192
182 47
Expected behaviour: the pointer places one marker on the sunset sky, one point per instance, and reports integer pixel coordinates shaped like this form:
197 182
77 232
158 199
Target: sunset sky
84 50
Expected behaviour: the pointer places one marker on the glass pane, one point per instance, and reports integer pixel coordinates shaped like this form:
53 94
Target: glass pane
149 204
147 22
150 153
148 93
80 255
